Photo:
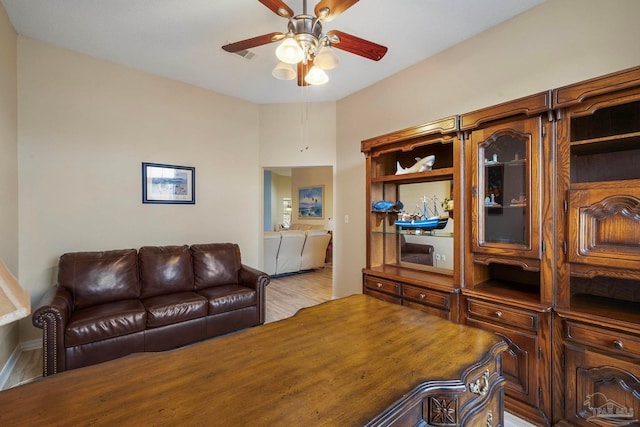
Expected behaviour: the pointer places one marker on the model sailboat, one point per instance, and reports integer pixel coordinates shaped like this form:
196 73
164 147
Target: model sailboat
427 220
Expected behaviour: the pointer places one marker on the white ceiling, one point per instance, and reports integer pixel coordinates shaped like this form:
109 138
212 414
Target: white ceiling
182 39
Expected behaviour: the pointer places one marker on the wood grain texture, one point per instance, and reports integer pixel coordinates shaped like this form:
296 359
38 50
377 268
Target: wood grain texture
578 92
299 371
528 106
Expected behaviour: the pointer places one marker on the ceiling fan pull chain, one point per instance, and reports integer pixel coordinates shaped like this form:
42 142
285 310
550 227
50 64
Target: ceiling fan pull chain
304 122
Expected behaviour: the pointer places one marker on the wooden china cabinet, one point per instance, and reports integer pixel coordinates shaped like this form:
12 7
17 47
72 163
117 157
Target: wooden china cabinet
508 262
543 243
418 268
597 325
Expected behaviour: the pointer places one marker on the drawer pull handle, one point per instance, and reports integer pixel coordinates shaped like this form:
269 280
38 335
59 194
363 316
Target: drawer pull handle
618 344
379 284
422 296
481 385
499 314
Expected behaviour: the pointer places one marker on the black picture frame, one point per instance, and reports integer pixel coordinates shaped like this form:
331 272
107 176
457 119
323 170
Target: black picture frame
168 184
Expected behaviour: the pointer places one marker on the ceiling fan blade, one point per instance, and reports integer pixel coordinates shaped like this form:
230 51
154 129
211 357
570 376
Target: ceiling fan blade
278 7
358 46
253 42
336 7
302 72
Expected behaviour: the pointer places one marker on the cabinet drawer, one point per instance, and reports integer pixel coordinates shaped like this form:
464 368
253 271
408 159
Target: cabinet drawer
504 315
382 296
520 363
445 314
426 296
382 285
616 341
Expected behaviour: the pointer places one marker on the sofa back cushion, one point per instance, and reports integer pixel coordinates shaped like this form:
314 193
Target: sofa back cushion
216 264
165 270
99 277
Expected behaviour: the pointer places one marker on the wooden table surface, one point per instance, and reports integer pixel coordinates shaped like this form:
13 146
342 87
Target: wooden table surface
340 363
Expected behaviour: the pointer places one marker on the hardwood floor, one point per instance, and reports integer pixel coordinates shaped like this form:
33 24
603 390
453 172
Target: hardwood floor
285 296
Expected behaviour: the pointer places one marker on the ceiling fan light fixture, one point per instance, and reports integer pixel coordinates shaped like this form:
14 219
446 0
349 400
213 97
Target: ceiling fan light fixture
306 45
326 58
283 71
316 76
289 51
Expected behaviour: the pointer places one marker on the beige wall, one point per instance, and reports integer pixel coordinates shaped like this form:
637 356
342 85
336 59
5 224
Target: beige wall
280 189
283 126
86 125
312 177
556 43
8 167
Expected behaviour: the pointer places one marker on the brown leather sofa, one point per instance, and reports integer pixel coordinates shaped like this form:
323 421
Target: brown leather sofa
113 303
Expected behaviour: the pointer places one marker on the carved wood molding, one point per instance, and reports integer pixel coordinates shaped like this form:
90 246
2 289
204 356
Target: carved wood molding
443 411
606 392
526 264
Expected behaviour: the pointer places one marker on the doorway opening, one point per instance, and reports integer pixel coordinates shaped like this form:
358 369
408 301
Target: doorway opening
298 220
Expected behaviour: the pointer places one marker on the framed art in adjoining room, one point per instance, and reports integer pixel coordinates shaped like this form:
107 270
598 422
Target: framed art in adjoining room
311 202
168 184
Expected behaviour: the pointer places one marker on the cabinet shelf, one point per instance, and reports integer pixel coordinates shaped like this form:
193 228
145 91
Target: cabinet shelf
522 206
518 294
432 233
621 142
605 184
519 162
432 175
606 308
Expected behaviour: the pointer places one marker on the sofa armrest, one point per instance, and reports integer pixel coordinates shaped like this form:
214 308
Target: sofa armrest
258 280
52 314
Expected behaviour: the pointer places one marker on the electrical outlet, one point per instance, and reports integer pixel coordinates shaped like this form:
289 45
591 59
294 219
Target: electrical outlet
443 257
346 219
438 257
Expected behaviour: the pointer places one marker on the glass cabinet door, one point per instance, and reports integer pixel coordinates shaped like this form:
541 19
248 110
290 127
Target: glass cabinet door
506 189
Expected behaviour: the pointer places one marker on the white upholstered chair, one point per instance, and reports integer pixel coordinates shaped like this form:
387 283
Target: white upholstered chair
271 247
290 253
315 249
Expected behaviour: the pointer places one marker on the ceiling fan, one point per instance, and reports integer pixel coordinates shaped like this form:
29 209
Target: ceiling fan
306 45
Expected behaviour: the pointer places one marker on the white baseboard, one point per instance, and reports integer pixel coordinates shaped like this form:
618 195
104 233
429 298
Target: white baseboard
31 345
9 366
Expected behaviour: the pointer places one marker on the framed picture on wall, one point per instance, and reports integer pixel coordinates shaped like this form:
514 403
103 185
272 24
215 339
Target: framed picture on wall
311 202
168 184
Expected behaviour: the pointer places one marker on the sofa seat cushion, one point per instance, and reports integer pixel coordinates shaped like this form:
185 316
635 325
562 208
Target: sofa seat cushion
229 297
105 321
173 308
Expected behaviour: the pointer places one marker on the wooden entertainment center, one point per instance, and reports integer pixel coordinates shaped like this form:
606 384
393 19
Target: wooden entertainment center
544 235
